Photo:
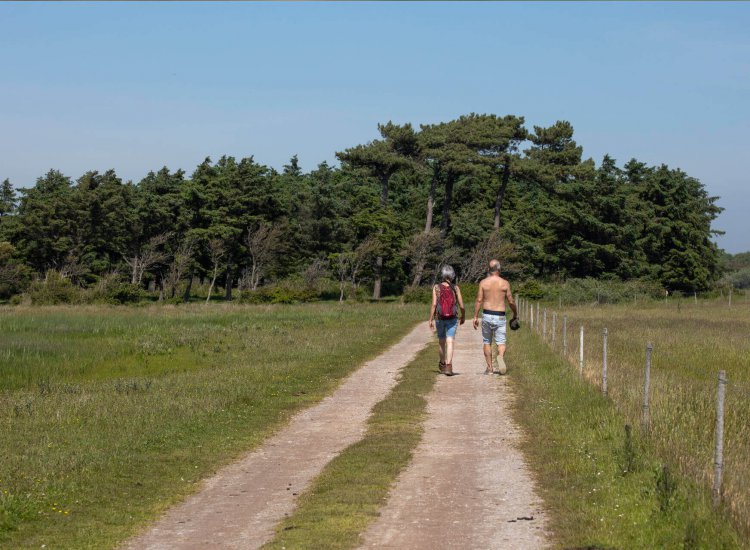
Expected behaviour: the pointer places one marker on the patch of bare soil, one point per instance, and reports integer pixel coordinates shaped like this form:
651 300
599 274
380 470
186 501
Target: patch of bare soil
240 505
467 485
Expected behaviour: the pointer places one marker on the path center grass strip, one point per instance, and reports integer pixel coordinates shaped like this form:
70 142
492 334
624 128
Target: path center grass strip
602 487
110 415
346 497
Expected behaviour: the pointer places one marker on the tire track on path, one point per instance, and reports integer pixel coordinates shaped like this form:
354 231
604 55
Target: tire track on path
468 484
241 504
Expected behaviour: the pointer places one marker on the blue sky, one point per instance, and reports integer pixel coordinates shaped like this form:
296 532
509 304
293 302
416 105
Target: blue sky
135 86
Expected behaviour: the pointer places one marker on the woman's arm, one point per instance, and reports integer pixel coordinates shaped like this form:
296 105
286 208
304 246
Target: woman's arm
432 307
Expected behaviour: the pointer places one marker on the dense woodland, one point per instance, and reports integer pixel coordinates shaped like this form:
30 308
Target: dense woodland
383 221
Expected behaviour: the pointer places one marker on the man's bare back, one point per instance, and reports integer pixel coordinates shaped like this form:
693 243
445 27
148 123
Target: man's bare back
493 292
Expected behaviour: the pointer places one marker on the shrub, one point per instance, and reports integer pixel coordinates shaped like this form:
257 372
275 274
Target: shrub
111 289
54 289
14 278
125 293
738 279
417 295
530 289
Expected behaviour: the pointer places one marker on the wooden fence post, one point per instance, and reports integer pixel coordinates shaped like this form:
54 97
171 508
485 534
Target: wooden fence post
646 419
531 315
719 449
537 316
580 353
554 328
731 288
565 336
604 363
544 324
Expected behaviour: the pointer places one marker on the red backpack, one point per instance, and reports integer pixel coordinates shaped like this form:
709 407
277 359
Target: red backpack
447 303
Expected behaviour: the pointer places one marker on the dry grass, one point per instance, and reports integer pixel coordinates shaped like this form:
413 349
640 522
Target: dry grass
692 342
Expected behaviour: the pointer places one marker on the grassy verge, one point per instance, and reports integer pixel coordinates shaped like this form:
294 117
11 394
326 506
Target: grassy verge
693 340
110 415
603 489
346 497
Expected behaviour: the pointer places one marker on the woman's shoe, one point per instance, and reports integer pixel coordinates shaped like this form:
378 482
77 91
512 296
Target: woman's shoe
441 367
449 369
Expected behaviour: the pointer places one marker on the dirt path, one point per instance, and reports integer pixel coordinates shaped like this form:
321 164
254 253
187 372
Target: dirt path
468 485
240 505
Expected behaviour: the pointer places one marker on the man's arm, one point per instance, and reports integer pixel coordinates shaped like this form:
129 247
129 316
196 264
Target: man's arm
478 305
511 302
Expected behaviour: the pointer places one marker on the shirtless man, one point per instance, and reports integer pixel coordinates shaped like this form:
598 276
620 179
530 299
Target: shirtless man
491 297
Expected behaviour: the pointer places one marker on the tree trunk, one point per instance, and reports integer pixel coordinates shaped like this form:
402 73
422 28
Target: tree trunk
213 281
501 191
445 222
431 201
418 274
230 281
188 288
134 273
378 278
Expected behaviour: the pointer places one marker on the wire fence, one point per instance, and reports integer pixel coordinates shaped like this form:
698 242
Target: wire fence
698 423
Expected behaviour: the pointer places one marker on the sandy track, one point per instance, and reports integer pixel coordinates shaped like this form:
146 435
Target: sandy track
240 505
468 485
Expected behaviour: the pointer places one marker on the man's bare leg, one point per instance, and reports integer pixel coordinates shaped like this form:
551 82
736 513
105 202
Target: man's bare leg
502 367
488 358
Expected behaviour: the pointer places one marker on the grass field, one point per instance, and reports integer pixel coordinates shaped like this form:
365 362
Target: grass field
603 489
692 342
109 415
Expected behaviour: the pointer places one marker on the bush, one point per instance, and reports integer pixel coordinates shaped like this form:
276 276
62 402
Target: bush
125 293
417 295
738 279
54 289
469 293
111 289
530 289
14 279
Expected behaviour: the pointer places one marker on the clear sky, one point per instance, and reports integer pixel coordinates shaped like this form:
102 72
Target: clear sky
136 86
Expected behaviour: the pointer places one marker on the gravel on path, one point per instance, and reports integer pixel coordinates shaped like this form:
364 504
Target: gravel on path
468 485
240 505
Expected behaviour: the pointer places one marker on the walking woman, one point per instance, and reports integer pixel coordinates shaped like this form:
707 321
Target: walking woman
446 302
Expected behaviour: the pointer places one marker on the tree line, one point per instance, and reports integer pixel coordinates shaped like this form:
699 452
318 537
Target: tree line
395 209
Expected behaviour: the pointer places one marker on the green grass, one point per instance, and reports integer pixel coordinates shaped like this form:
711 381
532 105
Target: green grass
346 497
602 488
110 415
692 342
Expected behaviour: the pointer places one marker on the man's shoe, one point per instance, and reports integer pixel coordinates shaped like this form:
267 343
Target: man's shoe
502 367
